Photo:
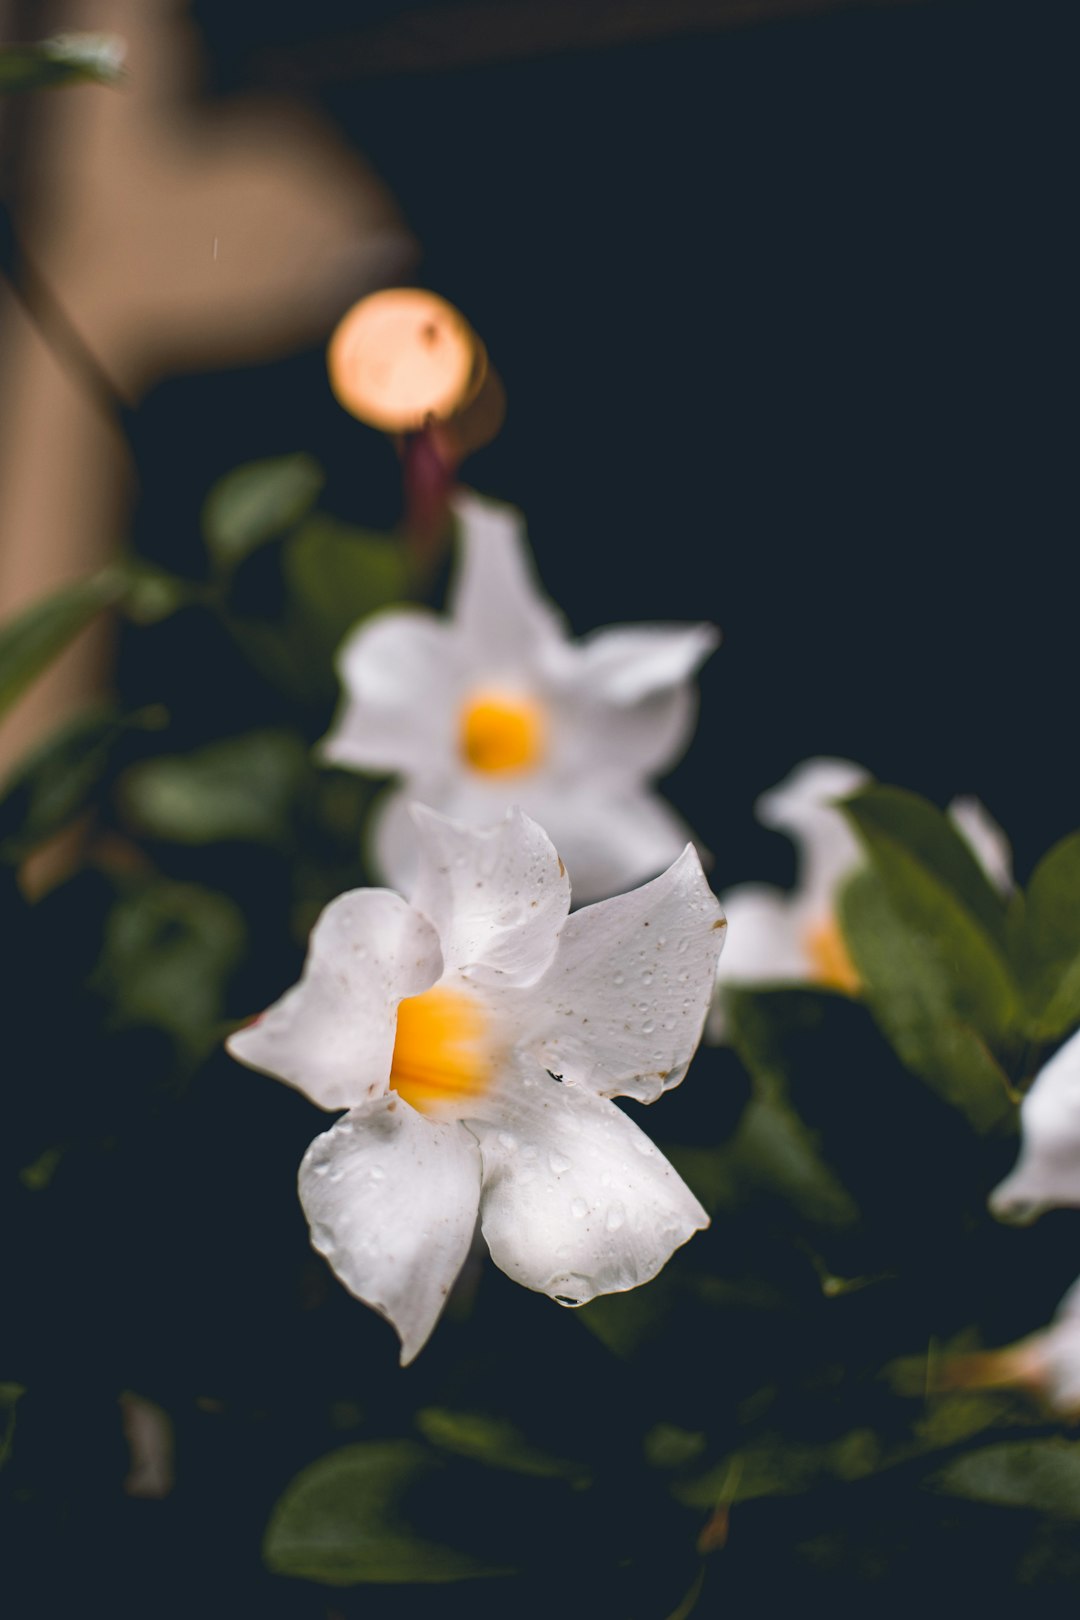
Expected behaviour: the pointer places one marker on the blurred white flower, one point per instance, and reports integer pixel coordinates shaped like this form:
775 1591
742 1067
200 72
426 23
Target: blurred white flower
780 937
476 1036
1047 1172
495 704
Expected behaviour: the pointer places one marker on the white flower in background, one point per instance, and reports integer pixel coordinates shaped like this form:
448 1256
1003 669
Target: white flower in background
441 1025
781 937
1047 1172
1046 1363
495 704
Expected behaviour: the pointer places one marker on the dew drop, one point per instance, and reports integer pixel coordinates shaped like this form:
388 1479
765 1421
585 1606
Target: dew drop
648 1026
377 1173
616 1217
683 945
618 978
579 1208
559 1163
526 1174
646 976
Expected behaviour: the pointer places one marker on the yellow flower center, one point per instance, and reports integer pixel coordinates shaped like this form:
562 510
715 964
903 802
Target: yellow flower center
502 732
831 964
442 1058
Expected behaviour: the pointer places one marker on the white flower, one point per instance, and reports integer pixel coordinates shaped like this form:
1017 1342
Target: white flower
495 704
1047 1172
476 1037
777 937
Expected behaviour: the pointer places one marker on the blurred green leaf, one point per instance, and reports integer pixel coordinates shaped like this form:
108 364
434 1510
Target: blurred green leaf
242 788
67 59
1040 1474
30 642
60 779
337 574
889 816
772 1465
347 1518
668 1446
933 982
773 1147
256 503
493 1441
1046 938
168 952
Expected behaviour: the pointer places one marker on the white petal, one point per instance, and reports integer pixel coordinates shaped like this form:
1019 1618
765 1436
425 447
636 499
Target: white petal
497 896
764 938
625 664
391 1198
1047 1173
332 1035
496 603
609 841
620 1010
986 840
402 672
612 744
803 807
1057 1352
576 1200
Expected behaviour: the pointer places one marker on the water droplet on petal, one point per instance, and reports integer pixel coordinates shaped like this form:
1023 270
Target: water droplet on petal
648 1026
579 1208
558 1163
616 1217
377 1173
507 1141
618 978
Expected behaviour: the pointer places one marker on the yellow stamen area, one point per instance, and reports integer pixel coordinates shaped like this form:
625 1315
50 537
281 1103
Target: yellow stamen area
830 963
500 732
442 1058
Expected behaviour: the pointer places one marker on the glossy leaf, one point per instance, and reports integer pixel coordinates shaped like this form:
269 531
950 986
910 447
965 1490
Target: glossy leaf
1047 943
241 788
934 984
256 503
348 1519
884 816
30 642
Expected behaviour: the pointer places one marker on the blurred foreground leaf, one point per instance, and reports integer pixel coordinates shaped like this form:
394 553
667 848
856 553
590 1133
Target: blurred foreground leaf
167 956
493 1441
30 642
241 788
59 779
257 502
337 574
1040 1474
347 1519
67 59
773 1147
1047 942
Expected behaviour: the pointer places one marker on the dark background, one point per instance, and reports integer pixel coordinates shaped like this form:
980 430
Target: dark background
786 315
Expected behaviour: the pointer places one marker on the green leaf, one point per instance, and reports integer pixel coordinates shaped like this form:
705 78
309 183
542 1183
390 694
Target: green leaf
889 816
256 503
1047 942
336 574
934 983
61 778
772 1465
30 642
773 1147
348 1518
67 59
243 788
1040 1474
167 955
493 1441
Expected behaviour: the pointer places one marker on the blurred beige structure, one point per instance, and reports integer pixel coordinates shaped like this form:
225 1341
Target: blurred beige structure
177 236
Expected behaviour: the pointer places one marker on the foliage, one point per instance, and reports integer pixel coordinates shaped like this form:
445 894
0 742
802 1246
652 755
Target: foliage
740 1410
